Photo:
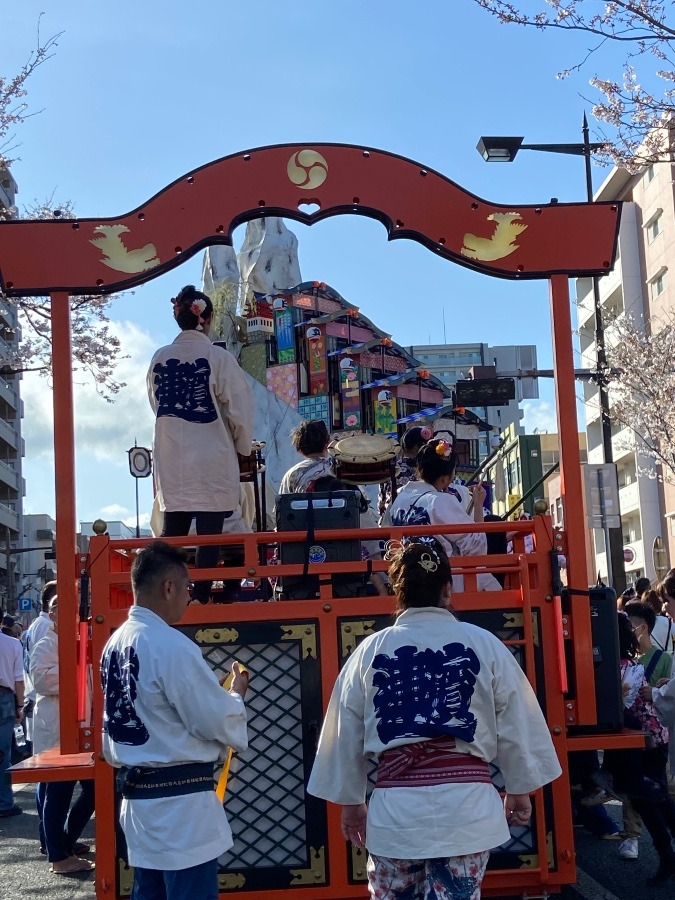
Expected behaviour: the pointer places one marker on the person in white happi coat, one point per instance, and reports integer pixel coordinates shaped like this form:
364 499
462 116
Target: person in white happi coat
60 825
167 722
203 405
35 631
432 700
427 502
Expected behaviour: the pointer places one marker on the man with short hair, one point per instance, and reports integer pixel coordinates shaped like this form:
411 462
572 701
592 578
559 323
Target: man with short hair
167 722
641 585
11 713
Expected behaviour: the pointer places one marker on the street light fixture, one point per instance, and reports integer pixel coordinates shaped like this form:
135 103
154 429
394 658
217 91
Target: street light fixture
504 149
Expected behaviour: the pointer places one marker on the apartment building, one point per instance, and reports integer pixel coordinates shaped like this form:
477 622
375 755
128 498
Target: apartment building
636 287
12 487
452 362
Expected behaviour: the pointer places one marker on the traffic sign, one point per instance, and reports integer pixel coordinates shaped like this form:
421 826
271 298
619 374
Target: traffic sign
25 604
602 495
485 392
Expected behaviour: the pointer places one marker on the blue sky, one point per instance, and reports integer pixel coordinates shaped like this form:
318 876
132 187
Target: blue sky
138 94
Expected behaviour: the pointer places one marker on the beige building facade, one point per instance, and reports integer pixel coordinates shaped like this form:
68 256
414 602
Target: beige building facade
642 287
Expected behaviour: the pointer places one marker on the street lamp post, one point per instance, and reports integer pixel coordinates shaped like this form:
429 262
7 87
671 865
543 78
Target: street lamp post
504 149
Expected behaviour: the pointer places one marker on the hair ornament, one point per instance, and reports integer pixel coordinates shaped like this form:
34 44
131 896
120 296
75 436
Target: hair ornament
428 563
392 549
426 433
197 307
444 448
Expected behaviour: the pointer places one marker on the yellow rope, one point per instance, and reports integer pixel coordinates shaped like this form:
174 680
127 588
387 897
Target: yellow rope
225 771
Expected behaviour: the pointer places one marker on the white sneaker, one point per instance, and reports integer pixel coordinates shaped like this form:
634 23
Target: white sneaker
628 848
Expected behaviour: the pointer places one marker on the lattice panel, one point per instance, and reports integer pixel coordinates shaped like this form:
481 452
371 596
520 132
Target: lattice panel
280 832
265 790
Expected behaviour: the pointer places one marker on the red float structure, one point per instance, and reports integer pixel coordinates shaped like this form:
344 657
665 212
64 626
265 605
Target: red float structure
286 841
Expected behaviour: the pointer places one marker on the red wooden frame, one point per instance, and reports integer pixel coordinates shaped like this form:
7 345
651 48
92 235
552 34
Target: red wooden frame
554 241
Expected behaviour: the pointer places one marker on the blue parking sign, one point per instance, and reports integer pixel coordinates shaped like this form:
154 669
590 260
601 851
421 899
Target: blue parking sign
25 604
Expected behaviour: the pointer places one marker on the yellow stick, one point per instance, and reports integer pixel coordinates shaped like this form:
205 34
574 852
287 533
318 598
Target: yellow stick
225 771
224 774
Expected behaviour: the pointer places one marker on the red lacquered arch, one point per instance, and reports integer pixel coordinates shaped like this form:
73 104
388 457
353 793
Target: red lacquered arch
306 182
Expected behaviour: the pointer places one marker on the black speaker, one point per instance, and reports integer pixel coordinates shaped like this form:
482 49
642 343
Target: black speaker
313 513
606 662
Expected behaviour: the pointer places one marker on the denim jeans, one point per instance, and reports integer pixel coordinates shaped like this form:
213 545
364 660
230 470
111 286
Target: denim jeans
196 883
7 722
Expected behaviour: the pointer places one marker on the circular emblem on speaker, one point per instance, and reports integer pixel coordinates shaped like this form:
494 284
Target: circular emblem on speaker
307 169
317 554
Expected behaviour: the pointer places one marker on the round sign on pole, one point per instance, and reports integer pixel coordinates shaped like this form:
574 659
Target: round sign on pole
140 462
628 555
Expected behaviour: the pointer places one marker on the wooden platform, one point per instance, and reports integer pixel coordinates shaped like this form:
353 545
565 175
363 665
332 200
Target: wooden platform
52 765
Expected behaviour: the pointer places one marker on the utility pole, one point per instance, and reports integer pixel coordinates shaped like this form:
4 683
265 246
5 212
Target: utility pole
614 548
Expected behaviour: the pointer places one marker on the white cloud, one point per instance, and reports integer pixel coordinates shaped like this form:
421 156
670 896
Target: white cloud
105 430
539 415
115 512
143 520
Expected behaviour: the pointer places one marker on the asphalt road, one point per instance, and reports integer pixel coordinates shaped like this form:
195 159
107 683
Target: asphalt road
24 873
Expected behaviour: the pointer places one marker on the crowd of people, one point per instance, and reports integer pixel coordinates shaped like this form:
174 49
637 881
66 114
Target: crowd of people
430 700
642 779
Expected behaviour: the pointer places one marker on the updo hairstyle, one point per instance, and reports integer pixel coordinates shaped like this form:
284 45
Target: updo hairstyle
432 464
414 438
418 573
310 437
187 318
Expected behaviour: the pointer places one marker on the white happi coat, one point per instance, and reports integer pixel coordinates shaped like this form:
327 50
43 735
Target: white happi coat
203 405
419 503
35 632
427 676
44 674
164 706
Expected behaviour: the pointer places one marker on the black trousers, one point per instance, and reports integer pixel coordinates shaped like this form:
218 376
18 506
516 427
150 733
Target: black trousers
177 524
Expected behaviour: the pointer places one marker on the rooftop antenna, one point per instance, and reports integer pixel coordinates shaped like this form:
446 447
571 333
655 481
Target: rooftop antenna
445 341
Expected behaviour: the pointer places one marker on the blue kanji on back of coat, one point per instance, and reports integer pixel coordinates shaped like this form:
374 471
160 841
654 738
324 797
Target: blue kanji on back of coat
119 674
182 390
425 693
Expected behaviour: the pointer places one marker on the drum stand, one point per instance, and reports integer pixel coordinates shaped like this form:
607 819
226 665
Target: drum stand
258 487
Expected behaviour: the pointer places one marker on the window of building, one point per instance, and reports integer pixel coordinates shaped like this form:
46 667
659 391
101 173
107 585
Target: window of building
654 228
650 174
657 285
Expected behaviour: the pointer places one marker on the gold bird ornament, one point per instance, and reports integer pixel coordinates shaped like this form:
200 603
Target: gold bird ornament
501 244
117 256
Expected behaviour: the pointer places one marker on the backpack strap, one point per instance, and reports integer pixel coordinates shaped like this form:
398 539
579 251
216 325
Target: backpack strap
414 505
653 663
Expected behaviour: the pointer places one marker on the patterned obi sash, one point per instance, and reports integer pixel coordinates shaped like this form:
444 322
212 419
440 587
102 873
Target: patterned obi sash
428 763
